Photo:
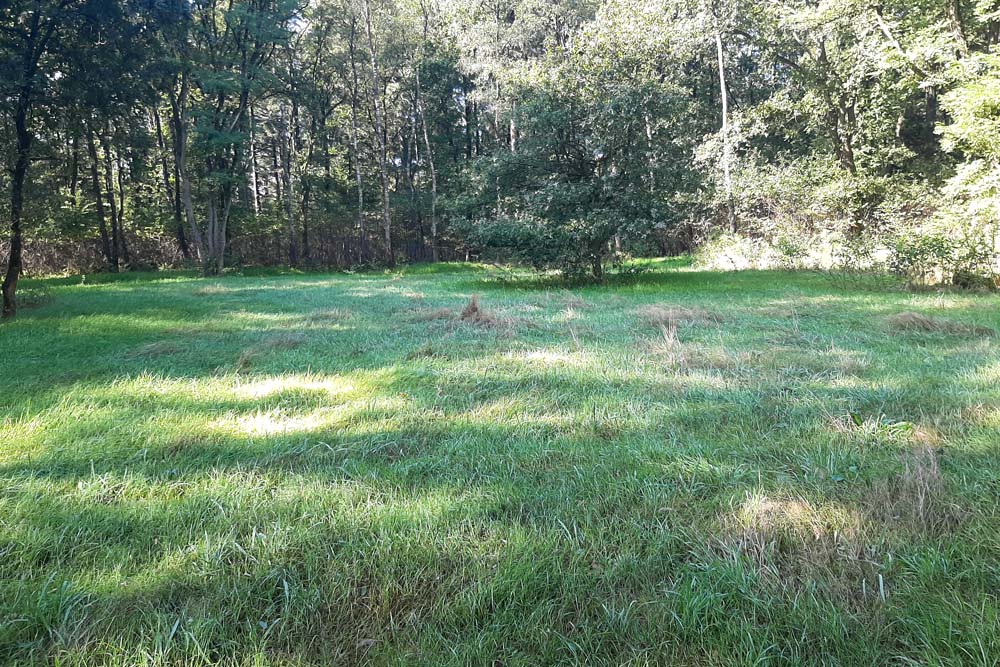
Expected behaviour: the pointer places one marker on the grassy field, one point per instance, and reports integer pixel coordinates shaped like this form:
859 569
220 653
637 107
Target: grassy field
693 469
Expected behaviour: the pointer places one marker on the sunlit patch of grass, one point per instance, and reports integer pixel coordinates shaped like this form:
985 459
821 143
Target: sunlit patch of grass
283 385
765 472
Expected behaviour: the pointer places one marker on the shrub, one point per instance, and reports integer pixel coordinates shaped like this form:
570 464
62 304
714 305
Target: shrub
928 258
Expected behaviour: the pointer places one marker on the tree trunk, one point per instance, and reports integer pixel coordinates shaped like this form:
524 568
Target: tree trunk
650 160
126 257
254 186
380 131
727 149
74 169
468 115
109 188
288 176
110 253
178 101
955 18
513 126
171 192
18 177
355 153
430 164
597 267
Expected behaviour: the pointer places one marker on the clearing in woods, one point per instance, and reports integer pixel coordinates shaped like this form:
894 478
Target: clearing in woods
693 469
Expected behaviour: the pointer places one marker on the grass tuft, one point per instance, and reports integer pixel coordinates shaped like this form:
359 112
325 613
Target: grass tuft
473 313
911 321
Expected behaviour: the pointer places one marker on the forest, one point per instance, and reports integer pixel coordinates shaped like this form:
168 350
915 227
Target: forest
568 135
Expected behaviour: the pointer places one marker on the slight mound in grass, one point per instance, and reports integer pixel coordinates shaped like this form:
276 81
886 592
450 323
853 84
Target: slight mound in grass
329 315
916 322
473 313
431 314
660 315
792 542
476 314
280 342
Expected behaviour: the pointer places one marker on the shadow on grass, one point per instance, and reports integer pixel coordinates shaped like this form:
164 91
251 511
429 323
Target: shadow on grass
471 508
327 544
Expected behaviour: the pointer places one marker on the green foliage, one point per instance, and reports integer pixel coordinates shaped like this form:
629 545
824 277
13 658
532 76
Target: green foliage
929 258
583 170
974 108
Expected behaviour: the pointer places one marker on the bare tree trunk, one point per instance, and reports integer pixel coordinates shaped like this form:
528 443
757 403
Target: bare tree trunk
74 169
513 126
468 115
18 177
380 131
430 163
110 254
649 152
35 40
955 18
109 188
727 149
252 171
171 193
288 176
126 257
178 102
356 155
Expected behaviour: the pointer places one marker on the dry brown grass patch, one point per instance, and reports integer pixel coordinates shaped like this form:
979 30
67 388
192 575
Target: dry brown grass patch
667 345
794 544
563 299
917 322
660 315
816 363
915 499
431 314
472 314
476 314
425 351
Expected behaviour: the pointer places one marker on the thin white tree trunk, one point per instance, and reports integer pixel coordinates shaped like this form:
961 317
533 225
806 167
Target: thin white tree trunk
430 164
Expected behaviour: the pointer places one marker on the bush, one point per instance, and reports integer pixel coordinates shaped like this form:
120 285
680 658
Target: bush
938 257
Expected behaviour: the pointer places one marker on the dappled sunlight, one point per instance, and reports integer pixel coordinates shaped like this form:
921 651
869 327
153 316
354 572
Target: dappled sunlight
286 460
760 512
521 412
278 422
270 386
988 375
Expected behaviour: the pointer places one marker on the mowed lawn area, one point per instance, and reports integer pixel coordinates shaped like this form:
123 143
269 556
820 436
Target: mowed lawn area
693 468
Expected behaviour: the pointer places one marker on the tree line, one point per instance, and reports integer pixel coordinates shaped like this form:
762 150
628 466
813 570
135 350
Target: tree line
563 133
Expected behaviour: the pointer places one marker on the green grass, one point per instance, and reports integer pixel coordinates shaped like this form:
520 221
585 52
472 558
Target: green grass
334 469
